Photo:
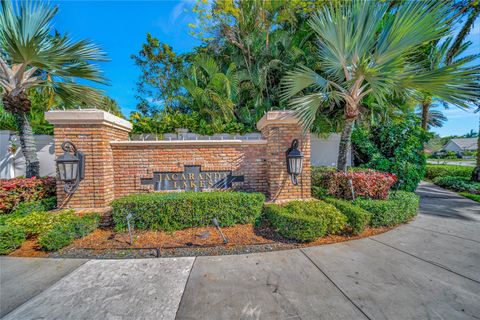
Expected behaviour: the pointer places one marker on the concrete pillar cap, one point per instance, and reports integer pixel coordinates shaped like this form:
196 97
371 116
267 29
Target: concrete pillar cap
277 117
87 116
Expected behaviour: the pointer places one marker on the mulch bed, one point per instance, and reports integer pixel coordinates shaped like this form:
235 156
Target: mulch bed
106 243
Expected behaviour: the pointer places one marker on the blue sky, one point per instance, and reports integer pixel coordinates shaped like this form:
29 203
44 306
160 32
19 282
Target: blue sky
120 28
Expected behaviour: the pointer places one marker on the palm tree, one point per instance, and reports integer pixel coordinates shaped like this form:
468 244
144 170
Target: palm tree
211 92
437 58
363 51
471 9
34 58
433 119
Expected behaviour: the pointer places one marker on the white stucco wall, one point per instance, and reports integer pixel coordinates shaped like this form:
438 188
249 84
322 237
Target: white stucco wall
13 165
324 151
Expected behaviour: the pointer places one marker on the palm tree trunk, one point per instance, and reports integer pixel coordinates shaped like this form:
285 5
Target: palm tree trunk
27 143
476 171
425 110
19 106
345 144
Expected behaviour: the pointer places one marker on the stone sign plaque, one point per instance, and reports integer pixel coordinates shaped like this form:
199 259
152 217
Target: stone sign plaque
191 179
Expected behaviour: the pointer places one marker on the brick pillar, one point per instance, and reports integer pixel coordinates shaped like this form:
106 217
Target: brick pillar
91 131
279 129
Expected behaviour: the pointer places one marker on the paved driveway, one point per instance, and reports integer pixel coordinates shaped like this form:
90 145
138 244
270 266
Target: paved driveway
427 269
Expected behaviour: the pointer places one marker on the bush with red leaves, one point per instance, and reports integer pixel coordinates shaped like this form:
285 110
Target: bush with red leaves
17 190
369 184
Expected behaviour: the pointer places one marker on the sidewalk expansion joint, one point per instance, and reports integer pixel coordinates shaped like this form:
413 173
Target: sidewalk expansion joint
427 261
335 285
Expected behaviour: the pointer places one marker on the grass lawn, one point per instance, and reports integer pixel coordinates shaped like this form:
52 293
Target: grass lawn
474 197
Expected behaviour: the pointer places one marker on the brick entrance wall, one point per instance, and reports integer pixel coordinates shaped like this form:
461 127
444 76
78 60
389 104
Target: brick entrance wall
115 165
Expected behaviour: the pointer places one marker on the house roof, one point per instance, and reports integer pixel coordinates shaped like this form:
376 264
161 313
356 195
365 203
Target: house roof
466 143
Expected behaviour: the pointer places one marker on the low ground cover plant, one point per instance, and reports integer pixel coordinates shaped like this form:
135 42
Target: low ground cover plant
305 220
400 207
459 184
442 170
54 229
11 237
18 190
366 183
62 234
357 217
175 211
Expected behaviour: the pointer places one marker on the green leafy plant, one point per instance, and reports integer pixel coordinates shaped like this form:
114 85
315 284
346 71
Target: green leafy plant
11 237
63 234
175 211
24 208
335 221
442 170
294 226
357 218
399 208
474 197
459 184
305 220
36 223
395 147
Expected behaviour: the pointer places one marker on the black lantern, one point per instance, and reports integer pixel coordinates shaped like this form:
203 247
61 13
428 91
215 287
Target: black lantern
71 167
294 161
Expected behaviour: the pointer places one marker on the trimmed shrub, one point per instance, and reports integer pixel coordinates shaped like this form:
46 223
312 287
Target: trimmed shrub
366 183
46 204
459 184
63 234
357 218
37 223
175 211
11 237
293 226
15 191
399 208
443 170
334 219
58 237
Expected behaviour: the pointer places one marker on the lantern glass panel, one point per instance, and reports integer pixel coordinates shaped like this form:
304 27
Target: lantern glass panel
61 171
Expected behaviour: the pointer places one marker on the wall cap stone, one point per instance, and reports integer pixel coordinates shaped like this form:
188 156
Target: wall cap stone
277 117
87 116
186 142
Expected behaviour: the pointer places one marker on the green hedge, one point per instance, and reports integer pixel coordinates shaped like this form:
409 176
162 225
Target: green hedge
62 235
305 220
443 170
46 204
399 208
11 237
295 227
175 211
459 184
334 219
357 218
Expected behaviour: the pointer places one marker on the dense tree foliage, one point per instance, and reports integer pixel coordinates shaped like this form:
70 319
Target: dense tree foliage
395 147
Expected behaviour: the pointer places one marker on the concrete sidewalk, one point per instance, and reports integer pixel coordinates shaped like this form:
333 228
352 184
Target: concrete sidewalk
427 269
